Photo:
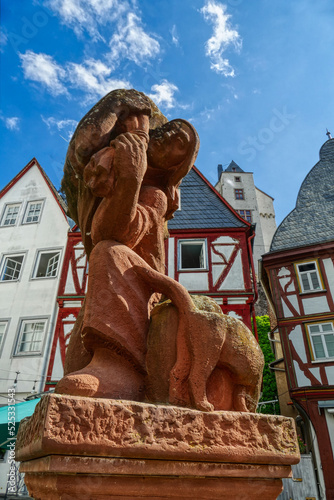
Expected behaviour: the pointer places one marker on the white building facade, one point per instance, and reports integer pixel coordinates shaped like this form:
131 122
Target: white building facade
33 234
238 189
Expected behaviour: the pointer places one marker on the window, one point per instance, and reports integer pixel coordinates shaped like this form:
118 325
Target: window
3 326
246 214
31 336
192 254
46 264
239 194
10 215
237 179
308 274
33 212
11 268
322 340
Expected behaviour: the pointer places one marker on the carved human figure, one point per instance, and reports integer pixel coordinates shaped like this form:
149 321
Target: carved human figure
123 168
129 189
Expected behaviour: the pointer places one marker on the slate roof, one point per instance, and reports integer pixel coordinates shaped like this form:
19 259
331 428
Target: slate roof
233 167
312 221
202 207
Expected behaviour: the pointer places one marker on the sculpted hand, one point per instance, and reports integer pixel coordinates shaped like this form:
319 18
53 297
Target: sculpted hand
130 156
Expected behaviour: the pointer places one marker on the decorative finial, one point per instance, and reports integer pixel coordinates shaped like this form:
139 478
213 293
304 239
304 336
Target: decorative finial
328 133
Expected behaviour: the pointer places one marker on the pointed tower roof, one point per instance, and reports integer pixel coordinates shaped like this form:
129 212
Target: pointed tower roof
312 221
202 207
233 167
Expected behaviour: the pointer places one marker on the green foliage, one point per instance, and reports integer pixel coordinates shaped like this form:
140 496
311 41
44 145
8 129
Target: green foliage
269 389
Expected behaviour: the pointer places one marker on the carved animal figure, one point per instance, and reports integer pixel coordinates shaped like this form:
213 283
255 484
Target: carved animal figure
216 365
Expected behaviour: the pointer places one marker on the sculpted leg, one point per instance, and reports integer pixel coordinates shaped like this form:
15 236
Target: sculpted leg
115 325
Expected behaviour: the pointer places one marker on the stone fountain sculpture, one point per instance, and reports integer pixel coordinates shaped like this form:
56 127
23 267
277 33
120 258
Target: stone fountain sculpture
159 386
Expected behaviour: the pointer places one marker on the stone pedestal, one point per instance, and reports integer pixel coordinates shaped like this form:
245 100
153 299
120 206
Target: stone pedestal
83 448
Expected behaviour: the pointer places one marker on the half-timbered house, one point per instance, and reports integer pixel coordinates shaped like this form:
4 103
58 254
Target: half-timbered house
298 274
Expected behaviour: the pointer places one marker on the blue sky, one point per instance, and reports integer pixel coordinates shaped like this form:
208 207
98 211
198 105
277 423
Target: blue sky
256 79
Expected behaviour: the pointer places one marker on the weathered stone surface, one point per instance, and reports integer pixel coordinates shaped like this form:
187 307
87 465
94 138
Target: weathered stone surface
226 362
99 427
60 477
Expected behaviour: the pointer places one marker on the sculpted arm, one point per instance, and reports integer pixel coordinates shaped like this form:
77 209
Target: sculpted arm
118 209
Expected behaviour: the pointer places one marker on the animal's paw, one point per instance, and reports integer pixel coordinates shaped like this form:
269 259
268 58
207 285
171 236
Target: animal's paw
204 406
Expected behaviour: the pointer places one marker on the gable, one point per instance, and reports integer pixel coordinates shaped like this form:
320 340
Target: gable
202 207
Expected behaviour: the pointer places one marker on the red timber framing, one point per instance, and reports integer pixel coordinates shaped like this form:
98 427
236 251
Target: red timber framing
310 379
227 298
71 292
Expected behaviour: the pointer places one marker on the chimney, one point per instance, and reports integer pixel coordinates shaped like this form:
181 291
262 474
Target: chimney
220 170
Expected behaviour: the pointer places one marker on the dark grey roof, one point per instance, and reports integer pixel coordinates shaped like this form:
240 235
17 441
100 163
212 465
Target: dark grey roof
312 221
202 207
233 167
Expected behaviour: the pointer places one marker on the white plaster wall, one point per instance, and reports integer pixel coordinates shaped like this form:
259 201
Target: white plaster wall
314 305
29 298
267 217
226 187
195 281
329 267
302 380
296 337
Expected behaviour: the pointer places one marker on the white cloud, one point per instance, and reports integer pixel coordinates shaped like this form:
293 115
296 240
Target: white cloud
65 126
223 37
175 38
87 15
93 77
163 94
43 69
131 42
3 39
12 122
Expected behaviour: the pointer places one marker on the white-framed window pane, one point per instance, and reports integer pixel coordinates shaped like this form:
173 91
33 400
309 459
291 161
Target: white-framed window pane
329 339
192 255
319 350
309 276
33 212
322 339
12 268
10 215
31 336
47 264
3 326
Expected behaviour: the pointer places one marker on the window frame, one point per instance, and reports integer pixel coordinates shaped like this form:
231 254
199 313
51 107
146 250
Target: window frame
6 322
4 214
322 334
26 211
240 191
37 260
237 178
299 276
192 241
19 335
3 262
245 218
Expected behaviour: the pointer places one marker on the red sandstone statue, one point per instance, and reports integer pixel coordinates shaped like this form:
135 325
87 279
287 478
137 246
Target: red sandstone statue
123 167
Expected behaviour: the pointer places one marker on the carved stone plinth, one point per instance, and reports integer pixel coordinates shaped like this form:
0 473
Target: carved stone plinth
84 448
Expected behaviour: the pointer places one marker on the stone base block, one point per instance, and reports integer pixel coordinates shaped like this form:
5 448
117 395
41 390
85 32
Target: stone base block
91 478
84 448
